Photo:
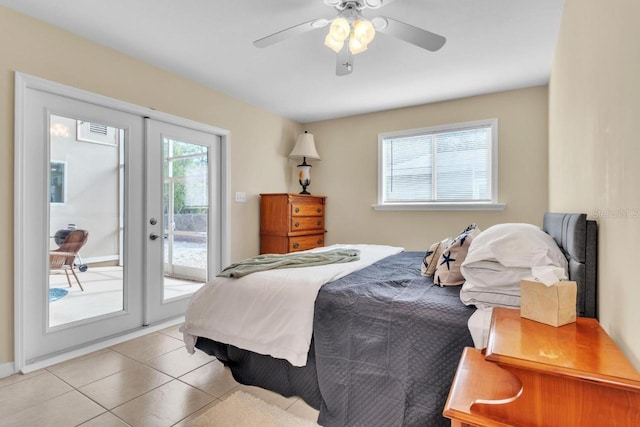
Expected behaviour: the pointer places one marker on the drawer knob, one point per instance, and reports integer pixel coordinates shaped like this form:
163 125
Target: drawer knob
318 223
319 241
297 210
297 224
319 210
295 245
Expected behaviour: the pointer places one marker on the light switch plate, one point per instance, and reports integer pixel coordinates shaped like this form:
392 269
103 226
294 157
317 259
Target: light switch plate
241 196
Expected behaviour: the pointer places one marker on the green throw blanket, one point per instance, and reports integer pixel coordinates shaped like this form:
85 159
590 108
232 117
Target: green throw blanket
274 261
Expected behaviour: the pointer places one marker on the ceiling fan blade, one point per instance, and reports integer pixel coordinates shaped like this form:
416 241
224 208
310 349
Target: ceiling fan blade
290 32
414 35
344 62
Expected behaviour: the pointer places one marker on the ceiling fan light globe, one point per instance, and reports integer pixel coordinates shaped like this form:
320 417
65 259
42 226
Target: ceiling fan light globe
363 30
332 2
356 46
333 44
340 29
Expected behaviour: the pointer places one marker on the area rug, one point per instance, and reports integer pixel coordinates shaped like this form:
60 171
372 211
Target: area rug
244 410
57 293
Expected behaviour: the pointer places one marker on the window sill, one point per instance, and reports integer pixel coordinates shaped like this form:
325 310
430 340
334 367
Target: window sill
439 207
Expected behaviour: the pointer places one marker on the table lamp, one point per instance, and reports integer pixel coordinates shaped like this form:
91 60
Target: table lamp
305 148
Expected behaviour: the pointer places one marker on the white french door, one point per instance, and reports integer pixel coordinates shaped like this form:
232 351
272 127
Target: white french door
183 215
145 196
68 178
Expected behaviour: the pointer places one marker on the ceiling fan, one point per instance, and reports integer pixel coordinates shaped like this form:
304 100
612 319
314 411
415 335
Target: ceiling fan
350 33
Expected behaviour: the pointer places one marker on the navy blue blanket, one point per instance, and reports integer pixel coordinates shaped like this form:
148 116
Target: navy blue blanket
387 344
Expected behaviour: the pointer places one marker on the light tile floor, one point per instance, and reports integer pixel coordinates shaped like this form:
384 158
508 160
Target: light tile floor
148 381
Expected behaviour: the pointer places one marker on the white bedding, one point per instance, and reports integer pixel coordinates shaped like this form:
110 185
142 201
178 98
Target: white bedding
479 324
269 312
500 257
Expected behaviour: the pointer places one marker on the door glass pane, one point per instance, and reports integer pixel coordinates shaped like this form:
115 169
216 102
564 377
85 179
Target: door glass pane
186 213
86 224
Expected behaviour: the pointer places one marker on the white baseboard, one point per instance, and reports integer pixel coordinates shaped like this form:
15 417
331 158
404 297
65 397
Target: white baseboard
7 369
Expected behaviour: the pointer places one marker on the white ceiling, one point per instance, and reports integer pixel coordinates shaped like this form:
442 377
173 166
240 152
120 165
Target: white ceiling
492 45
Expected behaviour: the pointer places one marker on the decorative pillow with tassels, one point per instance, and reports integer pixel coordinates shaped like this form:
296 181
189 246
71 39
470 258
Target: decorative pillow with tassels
430 260
448 266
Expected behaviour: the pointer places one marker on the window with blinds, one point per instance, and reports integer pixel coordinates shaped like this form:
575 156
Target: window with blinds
448 164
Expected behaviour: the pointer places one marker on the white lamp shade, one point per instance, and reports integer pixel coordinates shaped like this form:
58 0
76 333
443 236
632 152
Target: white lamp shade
333 44
340 29
356 46
305 147
363 30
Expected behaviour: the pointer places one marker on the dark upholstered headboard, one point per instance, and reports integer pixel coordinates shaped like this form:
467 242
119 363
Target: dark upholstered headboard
578 239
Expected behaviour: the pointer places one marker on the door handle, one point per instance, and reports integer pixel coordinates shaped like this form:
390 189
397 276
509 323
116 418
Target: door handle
153 236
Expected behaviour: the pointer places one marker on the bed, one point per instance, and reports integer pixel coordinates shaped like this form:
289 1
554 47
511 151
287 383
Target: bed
386 340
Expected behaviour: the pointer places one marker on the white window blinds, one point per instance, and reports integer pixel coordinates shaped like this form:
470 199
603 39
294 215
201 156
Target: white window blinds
450 164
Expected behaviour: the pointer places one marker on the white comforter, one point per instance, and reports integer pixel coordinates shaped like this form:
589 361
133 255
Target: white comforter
269 312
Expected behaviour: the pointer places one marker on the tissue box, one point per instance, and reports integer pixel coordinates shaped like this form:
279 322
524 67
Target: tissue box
554 305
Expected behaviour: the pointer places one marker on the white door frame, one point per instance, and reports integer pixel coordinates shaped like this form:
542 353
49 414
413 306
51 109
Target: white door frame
24 82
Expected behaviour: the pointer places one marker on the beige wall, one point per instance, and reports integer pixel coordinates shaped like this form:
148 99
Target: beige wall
260 140
347 173
594 152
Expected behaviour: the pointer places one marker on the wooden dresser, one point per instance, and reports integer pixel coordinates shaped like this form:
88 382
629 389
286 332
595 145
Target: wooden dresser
291 222
532 374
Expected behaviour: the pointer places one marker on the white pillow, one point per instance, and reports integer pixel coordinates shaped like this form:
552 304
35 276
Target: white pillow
504 253
493 274
486 297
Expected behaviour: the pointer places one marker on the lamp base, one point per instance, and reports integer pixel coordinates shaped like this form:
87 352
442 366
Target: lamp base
304 184
304 175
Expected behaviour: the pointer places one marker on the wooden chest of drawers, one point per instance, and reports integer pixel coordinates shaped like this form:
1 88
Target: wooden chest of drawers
291 222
